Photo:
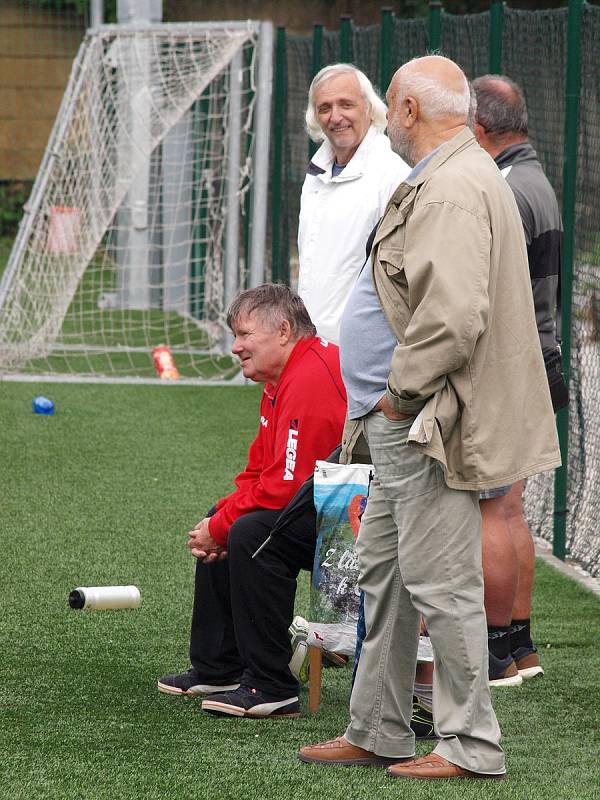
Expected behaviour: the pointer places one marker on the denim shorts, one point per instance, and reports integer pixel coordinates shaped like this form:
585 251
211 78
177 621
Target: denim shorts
499 491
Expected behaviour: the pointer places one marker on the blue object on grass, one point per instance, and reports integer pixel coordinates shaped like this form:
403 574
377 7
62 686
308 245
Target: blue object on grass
41 405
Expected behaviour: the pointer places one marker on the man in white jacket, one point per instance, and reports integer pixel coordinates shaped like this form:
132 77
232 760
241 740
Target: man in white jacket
346 190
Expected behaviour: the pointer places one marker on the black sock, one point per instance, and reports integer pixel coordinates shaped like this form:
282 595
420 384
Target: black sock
499 640
520 634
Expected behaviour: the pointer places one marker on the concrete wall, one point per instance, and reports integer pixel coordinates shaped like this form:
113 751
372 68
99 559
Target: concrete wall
36 52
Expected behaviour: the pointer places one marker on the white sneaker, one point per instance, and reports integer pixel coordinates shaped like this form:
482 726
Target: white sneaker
298 632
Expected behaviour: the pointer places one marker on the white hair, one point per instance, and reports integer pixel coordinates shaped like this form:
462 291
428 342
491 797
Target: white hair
376 106
435 99
471 119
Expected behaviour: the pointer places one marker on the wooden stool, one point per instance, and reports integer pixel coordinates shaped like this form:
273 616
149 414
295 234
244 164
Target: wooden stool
315 663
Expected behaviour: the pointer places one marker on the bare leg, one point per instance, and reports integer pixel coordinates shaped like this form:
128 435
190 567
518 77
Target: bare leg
500 577
500 564
523 650
525 551
424 672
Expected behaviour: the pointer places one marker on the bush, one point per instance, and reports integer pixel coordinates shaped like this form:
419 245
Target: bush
80 7
13 196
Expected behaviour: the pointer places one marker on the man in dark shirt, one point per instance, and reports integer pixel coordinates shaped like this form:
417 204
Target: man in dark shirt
501 128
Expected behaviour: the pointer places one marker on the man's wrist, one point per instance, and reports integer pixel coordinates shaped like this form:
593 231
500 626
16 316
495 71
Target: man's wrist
217 531
403 405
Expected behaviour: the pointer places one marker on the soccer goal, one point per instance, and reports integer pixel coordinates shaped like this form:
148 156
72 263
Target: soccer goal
149 209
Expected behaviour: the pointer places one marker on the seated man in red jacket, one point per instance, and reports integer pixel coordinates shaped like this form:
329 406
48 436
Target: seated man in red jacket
239 644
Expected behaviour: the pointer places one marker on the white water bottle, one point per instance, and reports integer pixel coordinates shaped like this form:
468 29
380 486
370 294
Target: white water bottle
105 597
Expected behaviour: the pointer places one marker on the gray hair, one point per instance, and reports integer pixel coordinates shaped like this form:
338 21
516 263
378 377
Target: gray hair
500 109
472 116
435 99
272 303
376 106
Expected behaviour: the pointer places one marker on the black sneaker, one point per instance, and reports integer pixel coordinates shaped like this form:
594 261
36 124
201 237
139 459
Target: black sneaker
421 721
189 683
504 672
247 702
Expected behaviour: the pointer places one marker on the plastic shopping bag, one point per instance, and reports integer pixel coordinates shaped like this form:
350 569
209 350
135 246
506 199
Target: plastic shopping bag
340 497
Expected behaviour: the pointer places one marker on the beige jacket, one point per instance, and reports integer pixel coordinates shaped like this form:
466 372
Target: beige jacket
450 268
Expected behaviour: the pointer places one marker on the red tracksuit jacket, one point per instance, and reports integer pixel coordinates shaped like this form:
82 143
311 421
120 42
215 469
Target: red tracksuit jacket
301 420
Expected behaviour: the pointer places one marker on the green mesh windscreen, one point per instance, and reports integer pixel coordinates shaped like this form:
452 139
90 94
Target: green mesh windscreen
583 517
466 40
528 39
410 40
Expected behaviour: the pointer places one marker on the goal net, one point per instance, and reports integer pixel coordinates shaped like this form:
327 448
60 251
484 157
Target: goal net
134 235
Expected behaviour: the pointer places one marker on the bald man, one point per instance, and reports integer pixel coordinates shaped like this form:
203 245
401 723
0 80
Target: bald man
463 405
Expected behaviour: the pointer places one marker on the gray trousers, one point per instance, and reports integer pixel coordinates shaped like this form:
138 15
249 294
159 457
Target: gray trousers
419 553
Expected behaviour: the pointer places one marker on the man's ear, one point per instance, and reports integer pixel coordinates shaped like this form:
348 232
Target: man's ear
479 132
410 111
285 332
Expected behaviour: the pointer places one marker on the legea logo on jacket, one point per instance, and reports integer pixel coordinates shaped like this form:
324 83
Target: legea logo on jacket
290 451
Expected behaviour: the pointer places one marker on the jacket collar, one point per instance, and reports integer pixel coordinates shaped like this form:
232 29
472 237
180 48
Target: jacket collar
459 142
516 154
323 159
300 348
405 192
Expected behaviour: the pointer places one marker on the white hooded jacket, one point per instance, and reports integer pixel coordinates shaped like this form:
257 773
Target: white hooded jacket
336 217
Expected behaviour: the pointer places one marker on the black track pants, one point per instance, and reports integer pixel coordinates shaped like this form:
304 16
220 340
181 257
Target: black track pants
243 607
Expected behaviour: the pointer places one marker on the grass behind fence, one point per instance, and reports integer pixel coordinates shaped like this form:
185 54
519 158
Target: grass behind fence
119 341
103 493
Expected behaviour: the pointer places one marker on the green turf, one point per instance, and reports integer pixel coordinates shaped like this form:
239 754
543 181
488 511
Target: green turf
103 493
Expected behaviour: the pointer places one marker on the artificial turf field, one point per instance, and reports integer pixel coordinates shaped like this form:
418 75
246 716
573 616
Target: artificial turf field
103 493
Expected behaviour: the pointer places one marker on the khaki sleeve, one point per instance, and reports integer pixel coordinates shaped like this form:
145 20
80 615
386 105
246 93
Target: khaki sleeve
446 262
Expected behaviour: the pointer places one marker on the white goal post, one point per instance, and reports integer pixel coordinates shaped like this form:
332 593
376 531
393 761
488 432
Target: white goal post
149 209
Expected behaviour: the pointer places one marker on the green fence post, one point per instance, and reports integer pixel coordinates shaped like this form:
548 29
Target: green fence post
573 89
496 22
317 63
385 48
435 25
345 38
278 270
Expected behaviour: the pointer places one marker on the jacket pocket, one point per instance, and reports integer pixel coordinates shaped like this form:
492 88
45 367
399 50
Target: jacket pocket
447 410
442 410
354 445
391 260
